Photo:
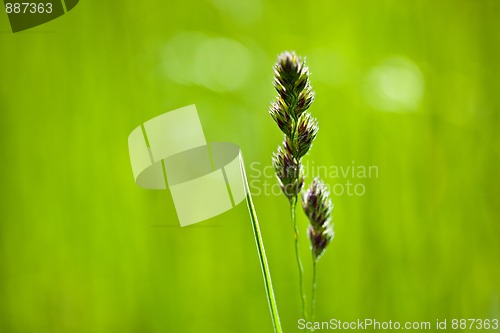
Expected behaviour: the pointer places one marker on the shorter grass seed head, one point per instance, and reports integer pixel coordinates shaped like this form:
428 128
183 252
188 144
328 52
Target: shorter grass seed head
318 208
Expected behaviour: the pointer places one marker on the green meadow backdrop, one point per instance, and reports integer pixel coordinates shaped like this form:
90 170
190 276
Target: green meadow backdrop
410 87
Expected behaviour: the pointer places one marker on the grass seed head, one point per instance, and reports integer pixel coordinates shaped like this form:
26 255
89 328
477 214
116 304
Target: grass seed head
292 83
318 208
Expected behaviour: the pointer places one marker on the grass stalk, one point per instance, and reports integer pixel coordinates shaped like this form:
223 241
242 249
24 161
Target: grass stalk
293 204
313 292
273 307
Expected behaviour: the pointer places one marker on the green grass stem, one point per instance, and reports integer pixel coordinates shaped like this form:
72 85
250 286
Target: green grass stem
262 256
293 204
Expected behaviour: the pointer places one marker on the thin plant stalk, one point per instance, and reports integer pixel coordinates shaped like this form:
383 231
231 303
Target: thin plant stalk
273 307
313 292
293 204
300 266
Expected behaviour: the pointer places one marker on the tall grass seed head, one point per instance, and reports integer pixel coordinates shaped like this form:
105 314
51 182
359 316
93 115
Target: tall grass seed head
292 83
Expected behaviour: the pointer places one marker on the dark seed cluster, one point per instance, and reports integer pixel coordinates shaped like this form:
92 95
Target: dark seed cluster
318 207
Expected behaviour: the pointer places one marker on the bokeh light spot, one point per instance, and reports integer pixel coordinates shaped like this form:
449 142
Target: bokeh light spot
396 85
222 64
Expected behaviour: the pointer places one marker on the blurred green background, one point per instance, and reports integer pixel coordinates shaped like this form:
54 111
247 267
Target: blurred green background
411 87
